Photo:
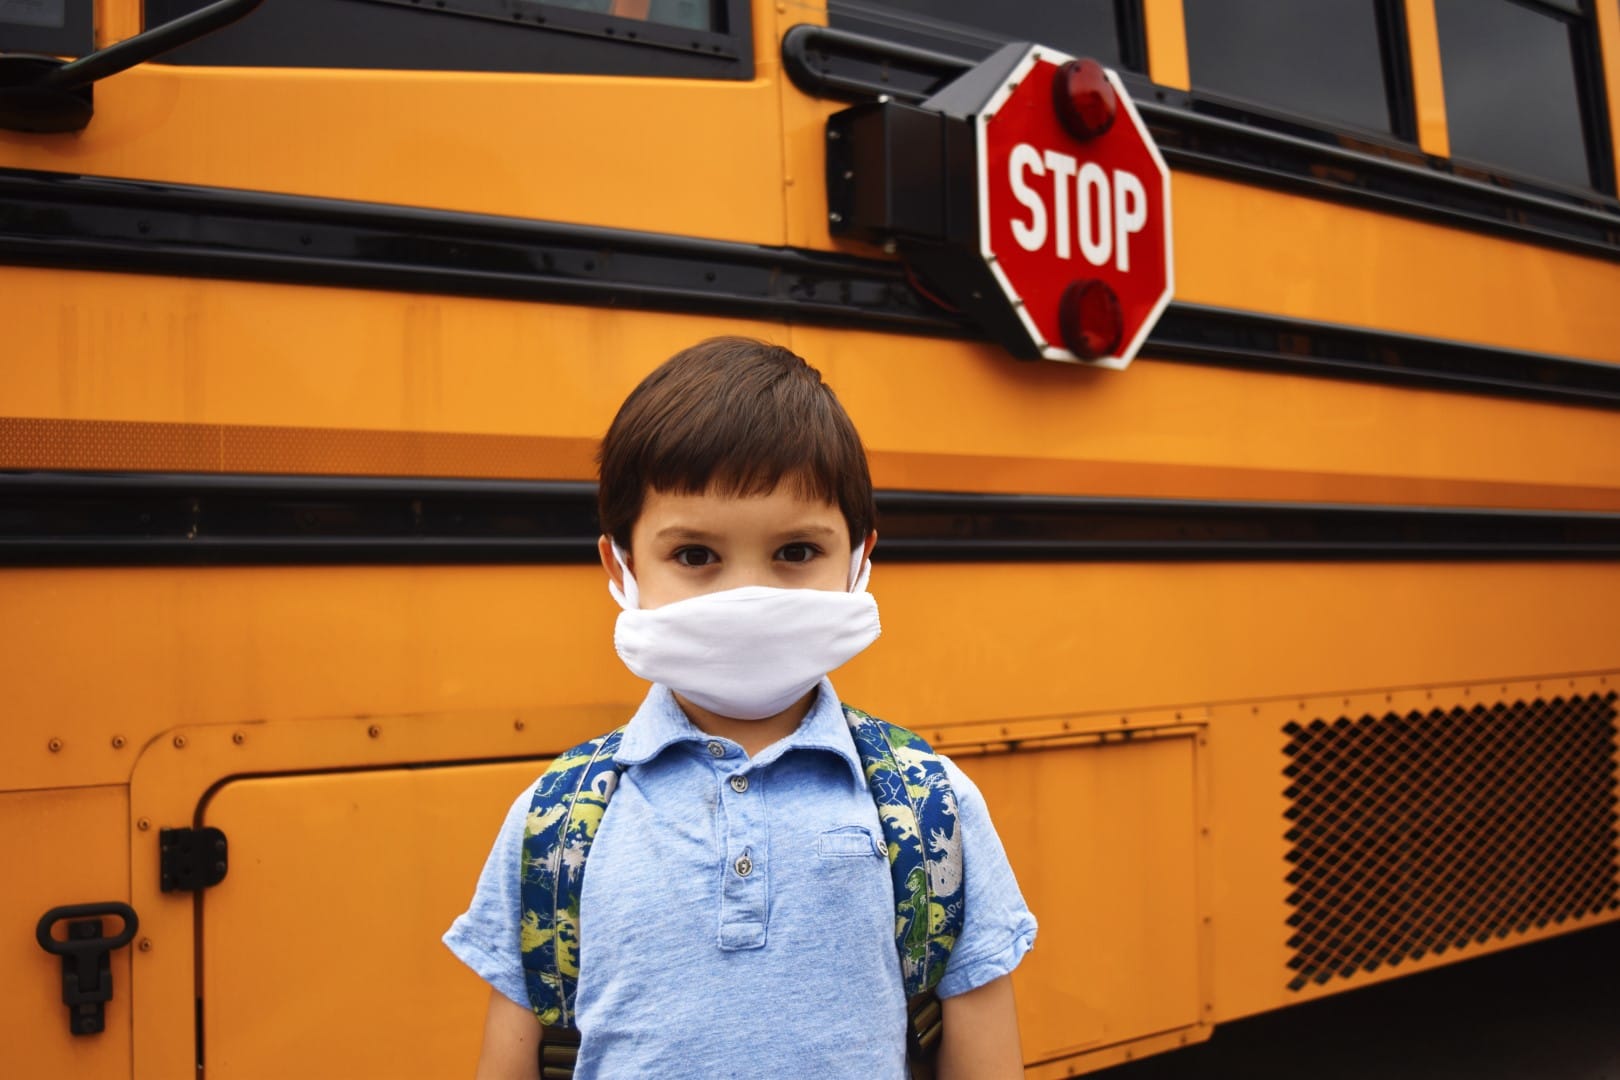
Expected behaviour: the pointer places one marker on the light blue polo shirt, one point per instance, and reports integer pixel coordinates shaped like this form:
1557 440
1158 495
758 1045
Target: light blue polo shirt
737 915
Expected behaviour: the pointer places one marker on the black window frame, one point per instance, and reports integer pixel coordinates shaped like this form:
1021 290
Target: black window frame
1396 54
1586 51
557 40
1129 26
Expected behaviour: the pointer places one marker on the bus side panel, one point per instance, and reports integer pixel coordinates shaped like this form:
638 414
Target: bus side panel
1103 838
322 945
58 847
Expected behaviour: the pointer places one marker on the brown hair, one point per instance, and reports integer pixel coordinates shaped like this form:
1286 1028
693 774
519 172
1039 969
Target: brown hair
737 416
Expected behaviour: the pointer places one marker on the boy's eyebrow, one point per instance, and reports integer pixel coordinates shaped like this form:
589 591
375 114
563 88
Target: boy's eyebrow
687 532
811 530
682 532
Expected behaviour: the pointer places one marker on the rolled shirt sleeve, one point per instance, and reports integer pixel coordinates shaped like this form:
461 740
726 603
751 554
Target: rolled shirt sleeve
998 928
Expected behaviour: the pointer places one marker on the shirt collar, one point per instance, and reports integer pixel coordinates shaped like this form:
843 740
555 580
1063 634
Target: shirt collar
659 724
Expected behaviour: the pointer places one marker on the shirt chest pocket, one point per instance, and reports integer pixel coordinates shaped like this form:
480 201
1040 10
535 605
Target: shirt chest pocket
849 841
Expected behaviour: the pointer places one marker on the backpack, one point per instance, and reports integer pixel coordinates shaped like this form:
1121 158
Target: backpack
915 805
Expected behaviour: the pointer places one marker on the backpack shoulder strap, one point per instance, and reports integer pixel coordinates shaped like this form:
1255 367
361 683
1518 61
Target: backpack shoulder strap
917 807
564 814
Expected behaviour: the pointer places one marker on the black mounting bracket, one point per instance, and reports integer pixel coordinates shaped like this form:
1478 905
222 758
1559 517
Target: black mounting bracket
86 970
42 94
191 859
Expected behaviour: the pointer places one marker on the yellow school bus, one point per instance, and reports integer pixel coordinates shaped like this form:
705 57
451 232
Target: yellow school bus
1287 657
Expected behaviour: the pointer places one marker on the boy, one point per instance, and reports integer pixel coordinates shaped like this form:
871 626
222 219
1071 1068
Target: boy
738 915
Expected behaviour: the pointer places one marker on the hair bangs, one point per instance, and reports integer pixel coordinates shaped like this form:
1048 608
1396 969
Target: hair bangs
738 417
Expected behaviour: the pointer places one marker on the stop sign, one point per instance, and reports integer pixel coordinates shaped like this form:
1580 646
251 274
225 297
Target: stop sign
1074 226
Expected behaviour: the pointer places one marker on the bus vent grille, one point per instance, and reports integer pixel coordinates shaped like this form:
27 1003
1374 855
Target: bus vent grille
1430 831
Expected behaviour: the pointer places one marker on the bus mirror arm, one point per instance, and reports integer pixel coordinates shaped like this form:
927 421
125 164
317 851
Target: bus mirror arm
46 95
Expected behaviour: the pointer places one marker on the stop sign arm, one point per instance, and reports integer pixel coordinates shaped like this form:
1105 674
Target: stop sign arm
1036 216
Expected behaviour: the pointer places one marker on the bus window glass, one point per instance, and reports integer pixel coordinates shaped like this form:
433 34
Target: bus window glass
1079 27
1512 97
659 38
688 14
1323 60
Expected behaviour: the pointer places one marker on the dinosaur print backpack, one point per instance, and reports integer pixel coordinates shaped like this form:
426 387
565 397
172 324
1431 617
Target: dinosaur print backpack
916 808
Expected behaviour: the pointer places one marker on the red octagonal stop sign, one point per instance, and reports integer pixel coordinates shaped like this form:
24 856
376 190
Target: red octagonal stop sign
1075 230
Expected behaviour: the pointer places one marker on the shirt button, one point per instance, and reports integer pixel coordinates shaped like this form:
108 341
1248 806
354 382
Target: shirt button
744 866
716 750
739 784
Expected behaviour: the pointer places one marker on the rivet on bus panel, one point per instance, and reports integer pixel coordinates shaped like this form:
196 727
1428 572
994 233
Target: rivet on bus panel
117 742
146 944
517 725
143 824
179 742
374 731
238 738
55 746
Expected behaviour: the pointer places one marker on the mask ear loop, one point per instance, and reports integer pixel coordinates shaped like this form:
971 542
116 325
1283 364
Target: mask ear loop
628 597
860 569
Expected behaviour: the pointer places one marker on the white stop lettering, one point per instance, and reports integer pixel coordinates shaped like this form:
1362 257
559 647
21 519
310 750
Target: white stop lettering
1102 215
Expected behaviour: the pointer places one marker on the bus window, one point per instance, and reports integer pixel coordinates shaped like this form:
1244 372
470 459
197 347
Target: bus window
691 14
703 39
45 26
1106 30
1515 78
1338 61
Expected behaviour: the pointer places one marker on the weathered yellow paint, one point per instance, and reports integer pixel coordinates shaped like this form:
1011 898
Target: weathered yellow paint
1428 88
60 847
321 714
410 844
489 143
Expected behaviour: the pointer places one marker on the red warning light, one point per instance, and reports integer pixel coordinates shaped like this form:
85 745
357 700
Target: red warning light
1084 99
1089 319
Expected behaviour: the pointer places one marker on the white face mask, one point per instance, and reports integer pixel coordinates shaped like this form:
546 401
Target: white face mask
745 653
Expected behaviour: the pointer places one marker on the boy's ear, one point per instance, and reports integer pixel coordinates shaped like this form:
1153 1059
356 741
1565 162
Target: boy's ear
604 551
871 542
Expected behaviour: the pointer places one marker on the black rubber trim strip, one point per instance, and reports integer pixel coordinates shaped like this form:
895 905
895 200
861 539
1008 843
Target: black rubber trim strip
1228 338
157 519
98 223
95 223
1393 177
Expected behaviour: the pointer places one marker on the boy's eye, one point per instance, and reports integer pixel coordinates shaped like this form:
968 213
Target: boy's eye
695 556
797 553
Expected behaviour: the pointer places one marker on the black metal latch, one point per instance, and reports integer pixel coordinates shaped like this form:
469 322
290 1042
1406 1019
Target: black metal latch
191 859
86 969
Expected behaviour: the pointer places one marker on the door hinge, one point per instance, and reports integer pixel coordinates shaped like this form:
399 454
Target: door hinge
191 859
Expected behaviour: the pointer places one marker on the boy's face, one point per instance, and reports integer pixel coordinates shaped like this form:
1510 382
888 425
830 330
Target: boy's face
686 545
